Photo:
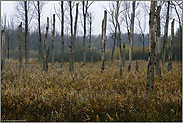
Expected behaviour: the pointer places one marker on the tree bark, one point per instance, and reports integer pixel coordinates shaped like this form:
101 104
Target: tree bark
114 43
26 32
62 35
39 27
171 47
150 68
70 47
123 54
53 40
104 23
70 59
131 35
158 43
3 51
92 54
45 45
20 45
119 38
85 8
74 37
165 34
47 54
90 17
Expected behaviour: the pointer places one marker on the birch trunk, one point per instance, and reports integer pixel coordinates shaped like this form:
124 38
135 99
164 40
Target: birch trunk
62 35
45 44
3 51
123 54
158 44
53 40
131 35
20 45
171 47
150 70
119 39
104 23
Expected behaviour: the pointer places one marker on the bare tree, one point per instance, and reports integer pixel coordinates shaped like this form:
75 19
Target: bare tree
90 21
158 43
165 34
104 23
150 68
45 47
3 51
20 45
39 8
92 54
53 39
85 7
119 39
123 54
130 34
62 34
24 12
171 46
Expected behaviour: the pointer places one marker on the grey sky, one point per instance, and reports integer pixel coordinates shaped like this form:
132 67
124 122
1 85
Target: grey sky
7 7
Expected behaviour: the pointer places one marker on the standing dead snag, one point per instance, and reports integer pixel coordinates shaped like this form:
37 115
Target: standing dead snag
53 39
158 43
20 45
123 54
171 47
3 51
131 35
119 39
150 68
92 54
104 23
62 35
45 44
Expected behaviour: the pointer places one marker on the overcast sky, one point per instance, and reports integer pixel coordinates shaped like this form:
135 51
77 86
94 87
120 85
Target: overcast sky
7 7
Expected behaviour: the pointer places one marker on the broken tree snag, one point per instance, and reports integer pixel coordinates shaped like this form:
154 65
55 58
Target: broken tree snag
70 58
53 39
92 54
171 46
47 54
123 54
150 67
158 43
104 23
45 44
3 51
20 45
119 38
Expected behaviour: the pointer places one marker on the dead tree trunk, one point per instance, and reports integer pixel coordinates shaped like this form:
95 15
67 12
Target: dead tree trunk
158 43
74 37
123 54
171 47
45 45
131 35
70 59
53 40
104 23
150 68
119 39
3 51
62 35
165 34
20 45
92 54
47 54
8 44
26 32
39 27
